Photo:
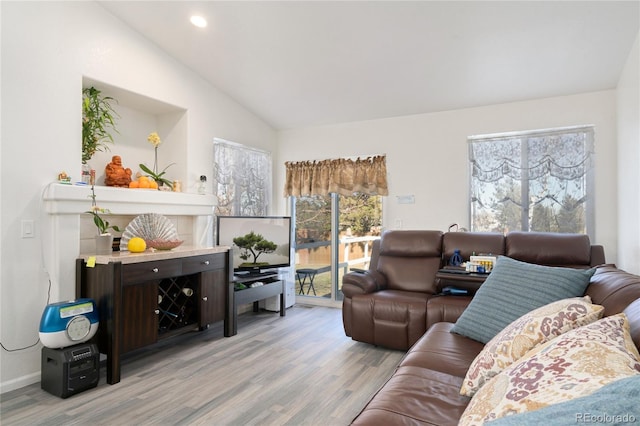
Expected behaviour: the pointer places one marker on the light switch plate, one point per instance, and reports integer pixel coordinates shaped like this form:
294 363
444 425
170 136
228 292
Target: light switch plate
28 230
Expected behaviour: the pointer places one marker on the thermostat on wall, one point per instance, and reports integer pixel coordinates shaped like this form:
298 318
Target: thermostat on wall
68 323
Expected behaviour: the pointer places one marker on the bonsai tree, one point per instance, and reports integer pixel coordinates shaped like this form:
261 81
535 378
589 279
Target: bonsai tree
253 244
98 118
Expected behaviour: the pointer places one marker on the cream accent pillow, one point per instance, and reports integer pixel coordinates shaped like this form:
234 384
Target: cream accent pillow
525 333
570 366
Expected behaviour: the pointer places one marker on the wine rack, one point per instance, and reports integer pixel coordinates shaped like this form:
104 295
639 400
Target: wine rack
177 303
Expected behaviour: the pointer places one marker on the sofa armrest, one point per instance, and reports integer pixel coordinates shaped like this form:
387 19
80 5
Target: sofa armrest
597 255
446 308
358 283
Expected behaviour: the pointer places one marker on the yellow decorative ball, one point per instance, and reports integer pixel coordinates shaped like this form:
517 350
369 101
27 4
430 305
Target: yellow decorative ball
136 245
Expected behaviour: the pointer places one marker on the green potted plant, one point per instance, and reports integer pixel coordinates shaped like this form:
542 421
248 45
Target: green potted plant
158 177
104 239
98 119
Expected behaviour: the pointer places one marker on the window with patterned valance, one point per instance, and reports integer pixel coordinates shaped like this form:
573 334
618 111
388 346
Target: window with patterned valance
341 176
537 180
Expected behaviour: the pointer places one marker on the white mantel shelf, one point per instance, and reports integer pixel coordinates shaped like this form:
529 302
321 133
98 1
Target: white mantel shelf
76 199
126 257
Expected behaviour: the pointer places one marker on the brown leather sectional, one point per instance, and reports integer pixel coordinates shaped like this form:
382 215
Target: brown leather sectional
425 388
396 300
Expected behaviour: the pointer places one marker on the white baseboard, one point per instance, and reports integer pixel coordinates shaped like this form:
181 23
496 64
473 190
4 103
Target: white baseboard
20 382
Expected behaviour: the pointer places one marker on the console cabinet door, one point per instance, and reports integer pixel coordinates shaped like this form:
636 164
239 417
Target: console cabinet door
139 315
213 296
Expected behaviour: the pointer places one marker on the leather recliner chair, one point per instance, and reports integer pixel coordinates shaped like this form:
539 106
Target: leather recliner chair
387 305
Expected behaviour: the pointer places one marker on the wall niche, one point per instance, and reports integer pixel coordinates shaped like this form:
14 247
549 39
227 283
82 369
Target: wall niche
140 115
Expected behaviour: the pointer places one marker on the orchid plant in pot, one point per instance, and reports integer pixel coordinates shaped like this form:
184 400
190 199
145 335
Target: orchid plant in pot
104 239
154 139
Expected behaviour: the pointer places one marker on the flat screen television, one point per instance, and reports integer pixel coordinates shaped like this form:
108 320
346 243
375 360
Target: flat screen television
259 243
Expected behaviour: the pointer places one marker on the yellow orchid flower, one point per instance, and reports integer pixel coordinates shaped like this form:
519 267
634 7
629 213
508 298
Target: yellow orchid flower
154 139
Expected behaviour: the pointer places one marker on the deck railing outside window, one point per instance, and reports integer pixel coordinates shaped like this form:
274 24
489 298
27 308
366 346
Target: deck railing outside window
354 253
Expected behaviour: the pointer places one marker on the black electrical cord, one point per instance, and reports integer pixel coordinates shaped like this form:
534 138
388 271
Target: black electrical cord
48 279
37 341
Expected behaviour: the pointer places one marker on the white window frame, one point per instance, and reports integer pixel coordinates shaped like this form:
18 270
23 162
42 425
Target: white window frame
490 163
242 179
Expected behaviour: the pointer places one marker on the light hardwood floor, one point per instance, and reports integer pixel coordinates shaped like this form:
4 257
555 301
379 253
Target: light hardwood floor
295 370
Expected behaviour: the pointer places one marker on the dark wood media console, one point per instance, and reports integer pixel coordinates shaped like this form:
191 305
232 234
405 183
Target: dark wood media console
145 297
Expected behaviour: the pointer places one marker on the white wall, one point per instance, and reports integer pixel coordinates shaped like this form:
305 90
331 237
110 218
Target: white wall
47 49
628 102
427 155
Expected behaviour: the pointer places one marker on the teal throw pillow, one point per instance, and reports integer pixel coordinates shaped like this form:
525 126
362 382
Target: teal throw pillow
514 288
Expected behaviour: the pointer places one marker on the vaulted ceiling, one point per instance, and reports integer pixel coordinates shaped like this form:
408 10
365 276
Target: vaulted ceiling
307 63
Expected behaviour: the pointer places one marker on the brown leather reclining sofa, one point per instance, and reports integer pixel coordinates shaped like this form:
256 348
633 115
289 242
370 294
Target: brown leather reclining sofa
397 299
425 387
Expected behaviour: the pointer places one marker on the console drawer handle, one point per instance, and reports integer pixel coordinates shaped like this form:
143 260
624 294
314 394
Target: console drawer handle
206 262
157 311
155 270
205 298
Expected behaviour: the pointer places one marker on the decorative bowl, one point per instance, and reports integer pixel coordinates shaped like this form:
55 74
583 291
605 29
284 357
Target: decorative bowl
149 227
163 244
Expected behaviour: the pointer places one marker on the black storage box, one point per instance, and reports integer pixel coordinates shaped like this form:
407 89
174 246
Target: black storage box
68 371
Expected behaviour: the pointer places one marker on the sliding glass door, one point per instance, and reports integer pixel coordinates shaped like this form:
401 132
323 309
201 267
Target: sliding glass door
313 246
334 235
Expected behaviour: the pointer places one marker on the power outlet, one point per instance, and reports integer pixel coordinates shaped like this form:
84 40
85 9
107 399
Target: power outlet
28 228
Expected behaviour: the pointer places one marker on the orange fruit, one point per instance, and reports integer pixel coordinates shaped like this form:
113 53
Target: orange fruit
153 184
143 183
134 184
136 245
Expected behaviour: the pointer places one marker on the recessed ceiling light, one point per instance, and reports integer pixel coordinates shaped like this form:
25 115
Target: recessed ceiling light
198 21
